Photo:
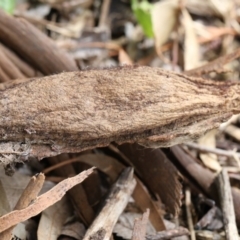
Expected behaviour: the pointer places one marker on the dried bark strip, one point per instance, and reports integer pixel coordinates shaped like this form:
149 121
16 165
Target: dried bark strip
140 227
3 76
9 68
29 194
102 226
23 66
226 203
79 110
42 202
33 46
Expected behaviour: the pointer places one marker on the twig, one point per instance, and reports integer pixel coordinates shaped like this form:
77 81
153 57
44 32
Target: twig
189 214
102 226
42 202
29 194
104 13
217 151
23 66
3 76
216 65
30 43
9 68
226 203
140 227
168 234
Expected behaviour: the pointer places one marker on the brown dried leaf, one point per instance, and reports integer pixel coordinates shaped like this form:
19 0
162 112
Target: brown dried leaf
124 58
74 230
157 172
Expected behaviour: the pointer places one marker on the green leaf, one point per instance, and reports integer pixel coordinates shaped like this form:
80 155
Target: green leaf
7 5
142 12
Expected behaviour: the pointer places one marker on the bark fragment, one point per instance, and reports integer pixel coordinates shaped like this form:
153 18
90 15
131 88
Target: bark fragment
73 111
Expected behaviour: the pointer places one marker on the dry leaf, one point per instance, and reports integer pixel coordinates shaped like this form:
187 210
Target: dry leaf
124 226
157 172
164 18
74 230
124 58
4 204
192 51
210 160
52 220
221 7
202 8
13 186
232 131
20 231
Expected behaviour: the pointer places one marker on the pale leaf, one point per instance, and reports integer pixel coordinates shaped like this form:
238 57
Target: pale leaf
222 7
20 231
210 160
164 18
52 220
192 52
74 230
13 186
124 226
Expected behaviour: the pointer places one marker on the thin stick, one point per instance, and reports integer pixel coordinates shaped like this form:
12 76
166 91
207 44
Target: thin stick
104 13
140 227
23 66
33 46
9 68
217 151
226 203
189 214
102 226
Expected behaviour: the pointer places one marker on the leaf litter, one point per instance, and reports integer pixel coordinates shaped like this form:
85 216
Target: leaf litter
198 37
